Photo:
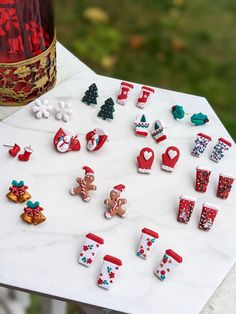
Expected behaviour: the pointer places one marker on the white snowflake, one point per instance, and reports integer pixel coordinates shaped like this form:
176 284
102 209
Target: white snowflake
63 111
41 108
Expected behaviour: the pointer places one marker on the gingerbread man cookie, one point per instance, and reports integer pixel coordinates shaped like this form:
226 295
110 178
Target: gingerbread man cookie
85 185
115 203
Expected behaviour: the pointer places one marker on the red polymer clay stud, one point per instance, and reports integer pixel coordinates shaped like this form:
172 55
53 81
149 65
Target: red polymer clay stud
14 150
145 160
170 158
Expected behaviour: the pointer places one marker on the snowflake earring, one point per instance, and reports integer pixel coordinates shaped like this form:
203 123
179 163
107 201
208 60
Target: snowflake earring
63 111
41 108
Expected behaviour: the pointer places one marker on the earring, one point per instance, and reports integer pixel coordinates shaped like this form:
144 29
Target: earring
42 108
14 150
144 96
26 155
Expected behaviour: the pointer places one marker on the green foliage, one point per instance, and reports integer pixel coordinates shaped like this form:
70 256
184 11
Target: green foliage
182 45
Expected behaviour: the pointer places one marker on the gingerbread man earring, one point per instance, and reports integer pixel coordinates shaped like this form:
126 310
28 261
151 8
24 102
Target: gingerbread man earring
115 203
85 185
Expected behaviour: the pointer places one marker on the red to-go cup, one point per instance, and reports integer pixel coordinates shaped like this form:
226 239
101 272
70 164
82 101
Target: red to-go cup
186 206
202 178
225 184
209 212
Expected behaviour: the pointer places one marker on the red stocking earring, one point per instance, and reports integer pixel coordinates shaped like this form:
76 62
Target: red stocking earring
14 150
26 155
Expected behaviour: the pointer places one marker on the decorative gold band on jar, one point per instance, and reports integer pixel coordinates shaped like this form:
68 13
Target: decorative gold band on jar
22 82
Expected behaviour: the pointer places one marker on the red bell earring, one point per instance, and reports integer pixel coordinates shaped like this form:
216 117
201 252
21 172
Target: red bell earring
14 150
26 155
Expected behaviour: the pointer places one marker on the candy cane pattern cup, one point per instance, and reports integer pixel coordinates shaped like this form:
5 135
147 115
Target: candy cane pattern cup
200 145
168 263
225 184
219 149
209 212
186 206
147 241
90 248
110 268
202 178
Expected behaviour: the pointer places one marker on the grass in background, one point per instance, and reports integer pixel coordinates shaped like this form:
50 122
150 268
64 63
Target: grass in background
188 46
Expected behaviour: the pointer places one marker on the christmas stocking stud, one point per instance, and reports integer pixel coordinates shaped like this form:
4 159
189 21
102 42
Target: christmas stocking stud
186 206
167 265
90 96
220 148
208 215
141 125
33 213
225 184
145 160
106 110
110 268
18 193
158 131
125 90
65 141
115 203
26 155
14 150
202 178
90 249
147 241
85 185
96 139
200 145
144 96
170 158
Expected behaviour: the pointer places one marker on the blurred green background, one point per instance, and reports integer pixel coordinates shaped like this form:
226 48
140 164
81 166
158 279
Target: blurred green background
188 46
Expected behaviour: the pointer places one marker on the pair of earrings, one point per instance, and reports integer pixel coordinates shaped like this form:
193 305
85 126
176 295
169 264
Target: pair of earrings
65 140
207 217
145 159
196 119
90 97
143 98
158 130
201 142
62 111
14 150
33 211
114 203
110 266
170 260
225 182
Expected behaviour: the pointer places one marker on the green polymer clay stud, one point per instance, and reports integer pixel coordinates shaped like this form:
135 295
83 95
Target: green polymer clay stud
199 119
178 112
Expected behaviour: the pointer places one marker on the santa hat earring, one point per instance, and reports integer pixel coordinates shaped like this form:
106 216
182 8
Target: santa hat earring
119 188
88 171
14 150
26 155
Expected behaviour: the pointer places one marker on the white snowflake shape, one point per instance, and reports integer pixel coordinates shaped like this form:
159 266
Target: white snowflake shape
41 108
63 111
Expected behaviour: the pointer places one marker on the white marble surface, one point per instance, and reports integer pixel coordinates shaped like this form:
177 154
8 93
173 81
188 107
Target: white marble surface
44 258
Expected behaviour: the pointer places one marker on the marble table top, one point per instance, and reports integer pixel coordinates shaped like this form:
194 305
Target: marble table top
44 258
